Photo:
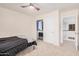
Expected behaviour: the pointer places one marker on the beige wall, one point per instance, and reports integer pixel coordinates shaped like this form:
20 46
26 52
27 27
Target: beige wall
54 31
13 23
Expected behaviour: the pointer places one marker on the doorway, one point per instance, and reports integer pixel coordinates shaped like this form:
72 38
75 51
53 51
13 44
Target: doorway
69 35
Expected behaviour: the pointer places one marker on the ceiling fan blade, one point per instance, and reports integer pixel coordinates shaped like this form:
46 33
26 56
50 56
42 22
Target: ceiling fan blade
31 4
24 6
36 8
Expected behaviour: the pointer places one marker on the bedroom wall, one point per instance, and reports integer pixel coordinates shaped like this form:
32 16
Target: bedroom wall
54 17
14 23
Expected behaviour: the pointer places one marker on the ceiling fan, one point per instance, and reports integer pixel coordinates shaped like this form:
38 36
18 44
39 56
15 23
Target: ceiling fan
31 5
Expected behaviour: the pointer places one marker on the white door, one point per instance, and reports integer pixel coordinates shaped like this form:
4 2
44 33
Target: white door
51 30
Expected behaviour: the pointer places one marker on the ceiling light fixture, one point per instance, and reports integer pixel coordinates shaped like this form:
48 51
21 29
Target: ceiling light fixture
31 5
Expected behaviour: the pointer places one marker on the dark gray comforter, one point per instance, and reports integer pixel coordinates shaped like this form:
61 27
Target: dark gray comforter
12 44
8 44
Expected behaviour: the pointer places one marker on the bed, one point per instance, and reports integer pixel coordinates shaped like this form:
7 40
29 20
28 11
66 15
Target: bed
10 46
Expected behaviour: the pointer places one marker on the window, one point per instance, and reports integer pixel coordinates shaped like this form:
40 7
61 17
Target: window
39 25
71 27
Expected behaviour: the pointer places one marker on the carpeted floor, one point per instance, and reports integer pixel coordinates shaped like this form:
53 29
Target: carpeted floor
46 49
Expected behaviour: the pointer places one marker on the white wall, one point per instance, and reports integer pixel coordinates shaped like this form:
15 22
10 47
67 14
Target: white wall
52 35
14 23
34 28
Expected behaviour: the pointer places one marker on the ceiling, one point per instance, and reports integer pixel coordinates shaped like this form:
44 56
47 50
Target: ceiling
44 7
